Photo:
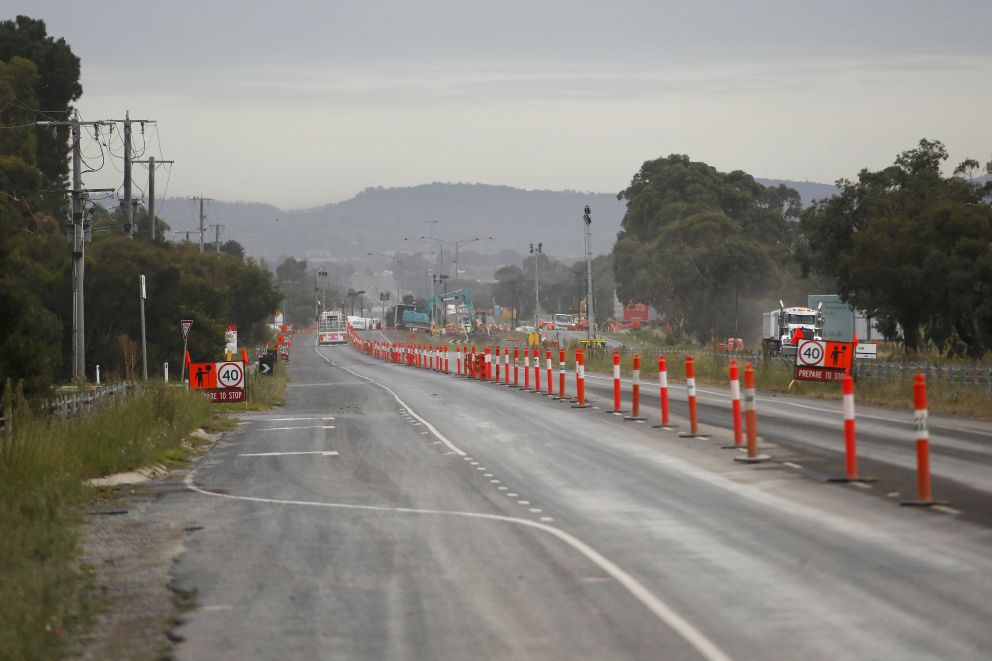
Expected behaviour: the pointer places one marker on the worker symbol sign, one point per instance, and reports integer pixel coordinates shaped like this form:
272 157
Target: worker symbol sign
838 355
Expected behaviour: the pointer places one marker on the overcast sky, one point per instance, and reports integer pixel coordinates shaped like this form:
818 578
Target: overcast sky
299 103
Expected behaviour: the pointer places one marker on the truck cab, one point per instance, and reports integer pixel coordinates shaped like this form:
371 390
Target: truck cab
785 324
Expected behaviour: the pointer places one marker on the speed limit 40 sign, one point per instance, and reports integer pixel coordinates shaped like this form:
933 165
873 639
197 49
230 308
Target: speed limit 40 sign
230 375
811 353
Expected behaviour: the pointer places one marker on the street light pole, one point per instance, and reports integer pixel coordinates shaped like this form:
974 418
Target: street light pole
590 312
537 281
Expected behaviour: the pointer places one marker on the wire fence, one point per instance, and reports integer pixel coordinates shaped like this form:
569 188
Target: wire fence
974 376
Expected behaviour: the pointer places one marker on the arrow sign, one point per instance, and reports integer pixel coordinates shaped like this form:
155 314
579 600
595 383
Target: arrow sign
265 369
186 324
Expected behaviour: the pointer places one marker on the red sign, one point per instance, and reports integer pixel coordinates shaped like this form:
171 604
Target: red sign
225 395
636 312
818 374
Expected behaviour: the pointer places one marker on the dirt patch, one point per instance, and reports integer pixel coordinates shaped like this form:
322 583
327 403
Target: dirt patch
128 551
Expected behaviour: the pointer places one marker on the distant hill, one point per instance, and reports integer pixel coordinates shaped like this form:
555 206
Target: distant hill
377 219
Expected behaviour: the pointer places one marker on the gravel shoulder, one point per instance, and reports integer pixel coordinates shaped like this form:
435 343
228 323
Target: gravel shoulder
128 550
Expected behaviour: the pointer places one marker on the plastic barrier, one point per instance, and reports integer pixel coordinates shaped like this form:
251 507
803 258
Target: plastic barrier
561 374
550 373
526 368
506 366
496 364
537 370
516 367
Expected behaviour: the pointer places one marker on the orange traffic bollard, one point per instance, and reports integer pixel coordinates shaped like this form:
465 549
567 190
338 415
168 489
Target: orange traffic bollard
488 376
616 383
635 392
735 406
921 416
850 446
580 380
447 356
537 370
516 367
526 368
551 380
690 385
561 374
506 366
751 419
663 393
496 364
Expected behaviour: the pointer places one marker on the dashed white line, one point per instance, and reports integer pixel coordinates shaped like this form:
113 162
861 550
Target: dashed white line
288 428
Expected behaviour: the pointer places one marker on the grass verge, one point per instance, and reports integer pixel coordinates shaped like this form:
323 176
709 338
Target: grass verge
895 391
43 465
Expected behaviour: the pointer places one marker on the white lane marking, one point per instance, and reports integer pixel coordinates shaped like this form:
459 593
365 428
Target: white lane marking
425 433
494 481
706 647
536 510
306 427
441 437
523 502
502 488
325 453
512 495
790 464
547 519
487 475
321 385
214 609
323 417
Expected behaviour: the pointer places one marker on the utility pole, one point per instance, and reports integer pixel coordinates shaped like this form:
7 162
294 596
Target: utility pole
128 212
78 236
590 313
217 227
202 219
151 189
537 281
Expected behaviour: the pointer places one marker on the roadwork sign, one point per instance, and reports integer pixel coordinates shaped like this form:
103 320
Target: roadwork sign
225 395
818 374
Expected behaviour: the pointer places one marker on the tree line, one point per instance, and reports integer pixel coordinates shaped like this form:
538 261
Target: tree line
39 80
909 245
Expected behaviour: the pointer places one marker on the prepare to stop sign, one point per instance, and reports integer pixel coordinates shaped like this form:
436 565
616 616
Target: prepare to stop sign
230 375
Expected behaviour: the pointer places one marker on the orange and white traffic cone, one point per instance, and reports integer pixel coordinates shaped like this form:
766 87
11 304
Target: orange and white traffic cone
550 374
850 444
561 375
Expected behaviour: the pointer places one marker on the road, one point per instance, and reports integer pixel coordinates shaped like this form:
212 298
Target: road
433 517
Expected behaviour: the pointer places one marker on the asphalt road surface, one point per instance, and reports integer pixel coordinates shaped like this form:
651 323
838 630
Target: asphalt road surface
388 512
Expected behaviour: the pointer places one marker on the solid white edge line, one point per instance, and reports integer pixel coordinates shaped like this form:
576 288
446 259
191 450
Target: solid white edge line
326 453
706 648
454 448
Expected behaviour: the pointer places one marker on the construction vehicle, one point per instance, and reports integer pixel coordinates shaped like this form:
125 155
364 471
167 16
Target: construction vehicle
781 329
331 328
456 307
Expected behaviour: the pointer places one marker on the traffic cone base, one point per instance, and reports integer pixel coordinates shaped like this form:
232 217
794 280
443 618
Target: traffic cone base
631 418
842 480
923 503
752 460
687 434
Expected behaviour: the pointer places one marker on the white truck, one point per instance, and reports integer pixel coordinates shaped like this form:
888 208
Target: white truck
779 328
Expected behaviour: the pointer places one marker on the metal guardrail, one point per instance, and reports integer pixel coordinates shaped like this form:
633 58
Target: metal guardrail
69 405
